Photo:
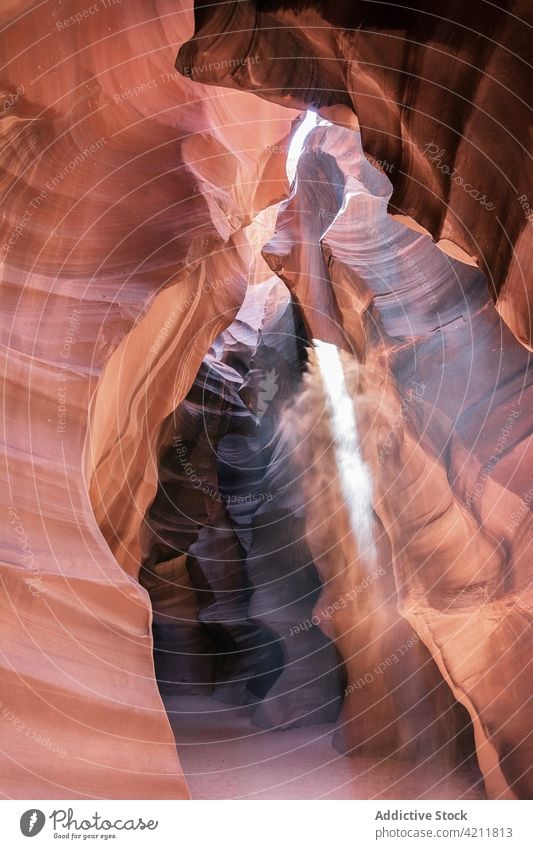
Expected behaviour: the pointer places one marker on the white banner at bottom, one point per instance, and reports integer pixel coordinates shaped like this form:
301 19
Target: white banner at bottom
266 824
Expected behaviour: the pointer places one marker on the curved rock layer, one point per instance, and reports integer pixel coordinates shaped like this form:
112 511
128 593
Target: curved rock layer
442 98
121 183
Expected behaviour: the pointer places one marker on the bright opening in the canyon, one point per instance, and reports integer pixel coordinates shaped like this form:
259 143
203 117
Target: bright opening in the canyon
297 142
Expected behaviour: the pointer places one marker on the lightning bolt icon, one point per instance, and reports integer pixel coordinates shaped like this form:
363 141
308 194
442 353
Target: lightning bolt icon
33 820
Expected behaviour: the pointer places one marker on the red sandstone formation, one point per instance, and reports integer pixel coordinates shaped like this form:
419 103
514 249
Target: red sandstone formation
162 288
125 191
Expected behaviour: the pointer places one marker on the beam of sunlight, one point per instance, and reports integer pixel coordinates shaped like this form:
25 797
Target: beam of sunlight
354 474
297 143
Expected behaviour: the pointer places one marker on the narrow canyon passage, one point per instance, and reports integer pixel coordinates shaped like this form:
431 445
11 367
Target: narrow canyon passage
271 689
283 575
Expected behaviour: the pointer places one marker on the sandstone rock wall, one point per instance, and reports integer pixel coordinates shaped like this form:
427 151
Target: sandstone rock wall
112 217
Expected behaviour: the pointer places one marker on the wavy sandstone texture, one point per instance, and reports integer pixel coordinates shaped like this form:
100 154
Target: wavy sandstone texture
153 313
124 256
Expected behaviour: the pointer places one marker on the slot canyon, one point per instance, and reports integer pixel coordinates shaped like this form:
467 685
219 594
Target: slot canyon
266 339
